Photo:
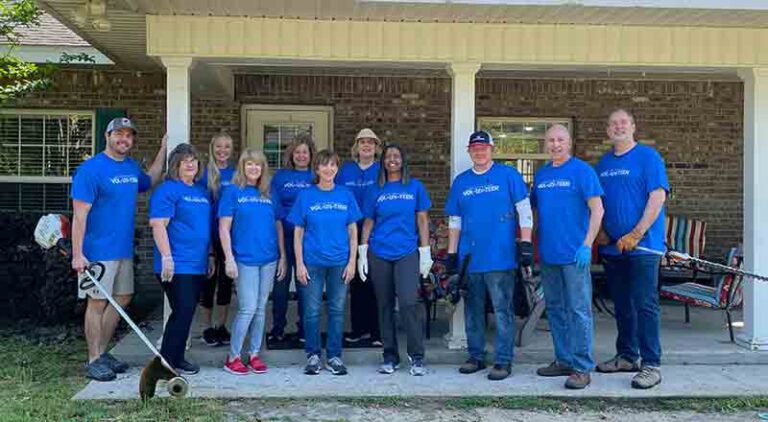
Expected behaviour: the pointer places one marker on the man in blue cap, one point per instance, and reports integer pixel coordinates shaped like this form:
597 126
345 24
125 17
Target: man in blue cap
104 192
485 205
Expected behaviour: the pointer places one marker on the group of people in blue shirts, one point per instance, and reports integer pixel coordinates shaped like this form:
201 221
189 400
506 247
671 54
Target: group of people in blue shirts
363 226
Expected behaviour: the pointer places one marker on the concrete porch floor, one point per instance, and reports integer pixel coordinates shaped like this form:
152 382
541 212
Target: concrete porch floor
698 360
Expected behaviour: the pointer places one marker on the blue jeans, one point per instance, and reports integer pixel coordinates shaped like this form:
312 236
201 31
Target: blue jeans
336 295
253 286
281 291
633 281
501 287
183 293
568 296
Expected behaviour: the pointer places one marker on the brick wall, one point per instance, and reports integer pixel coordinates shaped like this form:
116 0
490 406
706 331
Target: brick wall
696 126
413 112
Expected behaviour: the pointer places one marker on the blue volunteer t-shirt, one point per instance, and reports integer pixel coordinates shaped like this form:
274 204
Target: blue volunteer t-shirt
225 179
325 215
627 180
486 204
560 196
286 185
254 236
111 187
357 180
189 234
393 209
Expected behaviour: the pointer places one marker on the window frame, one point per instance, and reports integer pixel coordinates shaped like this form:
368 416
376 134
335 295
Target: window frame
567 121
45 112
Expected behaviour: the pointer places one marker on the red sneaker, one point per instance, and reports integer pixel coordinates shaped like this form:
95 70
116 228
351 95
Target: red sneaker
235 366
257 365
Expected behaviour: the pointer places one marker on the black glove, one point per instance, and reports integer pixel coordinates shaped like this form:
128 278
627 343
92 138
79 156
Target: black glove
525 251
452 264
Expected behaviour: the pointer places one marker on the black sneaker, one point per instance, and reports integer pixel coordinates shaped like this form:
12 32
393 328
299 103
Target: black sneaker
98 370
210 337
115 365
471 366
223 335
313 365
272 337
187 368
499 372
336 366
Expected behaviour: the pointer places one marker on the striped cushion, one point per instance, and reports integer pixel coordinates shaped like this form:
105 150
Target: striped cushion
686 235
692 293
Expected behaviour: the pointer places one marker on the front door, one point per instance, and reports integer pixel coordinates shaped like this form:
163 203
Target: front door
271 128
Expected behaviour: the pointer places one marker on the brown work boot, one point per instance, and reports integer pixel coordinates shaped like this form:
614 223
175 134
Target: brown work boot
499 372
555 369
648 377
577 380
617 364
471 366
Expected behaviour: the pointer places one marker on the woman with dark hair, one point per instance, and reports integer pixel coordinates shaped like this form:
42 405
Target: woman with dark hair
180 216
397 229
325 241
289 181
358 175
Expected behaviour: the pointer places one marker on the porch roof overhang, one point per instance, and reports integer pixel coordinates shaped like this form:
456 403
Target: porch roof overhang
586 32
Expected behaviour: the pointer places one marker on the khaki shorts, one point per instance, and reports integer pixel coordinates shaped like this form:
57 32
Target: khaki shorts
117 279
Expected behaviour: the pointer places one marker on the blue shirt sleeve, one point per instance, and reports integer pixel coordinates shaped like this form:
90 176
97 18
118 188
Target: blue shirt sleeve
519 190
353 213
590 184
369 203
227 203
452 207
655 173
145 182
276 208
423 203
298 213
84 185
162 204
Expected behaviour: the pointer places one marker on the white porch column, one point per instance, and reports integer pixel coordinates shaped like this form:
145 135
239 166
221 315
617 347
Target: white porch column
462 125
178 100
178 119
755 333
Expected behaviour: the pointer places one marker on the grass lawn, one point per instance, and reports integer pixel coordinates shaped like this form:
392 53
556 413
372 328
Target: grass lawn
37 381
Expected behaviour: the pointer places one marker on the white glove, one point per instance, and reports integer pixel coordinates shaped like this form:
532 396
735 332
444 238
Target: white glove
166 273
425 261
362 261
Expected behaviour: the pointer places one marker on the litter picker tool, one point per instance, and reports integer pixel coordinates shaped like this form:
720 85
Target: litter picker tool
680 256
53 231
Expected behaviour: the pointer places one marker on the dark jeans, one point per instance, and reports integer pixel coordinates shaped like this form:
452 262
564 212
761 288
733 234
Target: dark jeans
183 292
500 285
633 283
220 279
398 278
281 292
336 296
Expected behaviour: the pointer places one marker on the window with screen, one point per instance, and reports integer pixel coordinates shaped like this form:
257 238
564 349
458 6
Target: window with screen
39 152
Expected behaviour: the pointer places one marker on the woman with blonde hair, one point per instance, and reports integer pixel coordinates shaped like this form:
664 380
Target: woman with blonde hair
358 175
252 240
289 181
217 175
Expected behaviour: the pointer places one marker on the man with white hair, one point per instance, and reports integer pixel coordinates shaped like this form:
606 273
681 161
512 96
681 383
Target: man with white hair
566 195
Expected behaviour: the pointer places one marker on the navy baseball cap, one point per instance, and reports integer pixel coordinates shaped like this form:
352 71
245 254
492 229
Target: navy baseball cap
121 123
480 137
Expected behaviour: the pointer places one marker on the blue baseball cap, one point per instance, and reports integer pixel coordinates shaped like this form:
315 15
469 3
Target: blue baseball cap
121 123
480 137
